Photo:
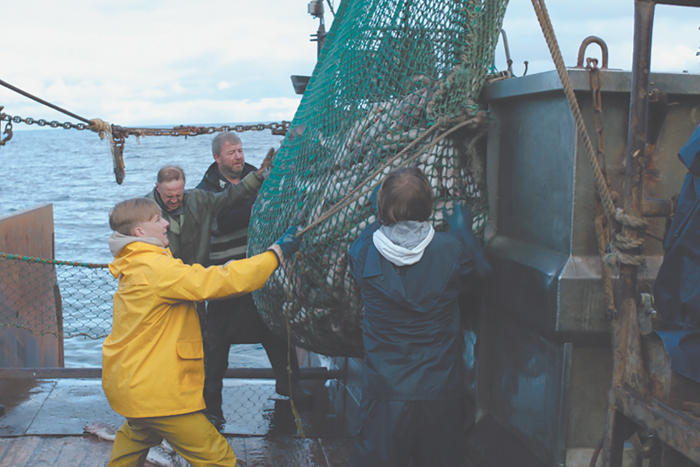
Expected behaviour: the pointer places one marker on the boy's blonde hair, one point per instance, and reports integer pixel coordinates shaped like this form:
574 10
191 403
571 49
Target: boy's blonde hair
128 214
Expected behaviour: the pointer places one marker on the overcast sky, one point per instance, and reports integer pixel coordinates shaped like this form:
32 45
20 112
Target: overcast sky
157 62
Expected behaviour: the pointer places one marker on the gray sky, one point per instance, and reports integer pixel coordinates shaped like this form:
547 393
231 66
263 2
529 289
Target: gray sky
676 37
174 62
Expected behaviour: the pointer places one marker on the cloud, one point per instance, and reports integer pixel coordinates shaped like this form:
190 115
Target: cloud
177 61
161 59
204 112
675 31
177 88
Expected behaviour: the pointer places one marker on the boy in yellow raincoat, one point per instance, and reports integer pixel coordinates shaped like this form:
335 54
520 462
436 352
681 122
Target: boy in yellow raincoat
152 361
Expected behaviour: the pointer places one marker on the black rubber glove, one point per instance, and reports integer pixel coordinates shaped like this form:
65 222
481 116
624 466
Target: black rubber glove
460 221
289 243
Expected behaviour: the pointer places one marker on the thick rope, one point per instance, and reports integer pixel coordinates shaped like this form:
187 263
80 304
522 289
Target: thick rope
102 128
632 222
32 259
625 250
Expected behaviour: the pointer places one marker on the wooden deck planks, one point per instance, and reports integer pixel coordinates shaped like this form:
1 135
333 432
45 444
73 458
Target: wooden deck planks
20 451
75 449
79 451
46 453
98 452
4 446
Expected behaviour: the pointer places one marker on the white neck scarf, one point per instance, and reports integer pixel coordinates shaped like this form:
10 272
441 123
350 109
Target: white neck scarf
399 255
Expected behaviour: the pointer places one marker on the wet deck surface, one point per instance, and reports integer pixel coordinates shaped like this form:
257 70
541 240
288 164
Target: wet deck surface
44 420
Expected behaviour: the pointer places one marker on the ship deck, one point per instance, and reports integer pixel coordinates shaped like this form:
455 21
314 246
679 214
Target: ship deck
44 419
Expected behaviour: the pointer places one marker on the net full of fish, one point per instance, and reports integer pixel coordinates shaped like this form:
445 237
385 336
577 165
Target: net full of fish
381 84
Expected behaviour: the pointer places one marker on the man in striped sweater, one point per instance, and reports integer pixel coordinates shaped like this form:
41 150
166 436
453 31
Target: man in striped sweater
236 320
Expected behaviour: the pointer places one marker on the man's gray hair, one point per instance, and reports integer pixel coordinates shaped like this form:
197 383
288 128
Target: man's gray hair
169 173
219 139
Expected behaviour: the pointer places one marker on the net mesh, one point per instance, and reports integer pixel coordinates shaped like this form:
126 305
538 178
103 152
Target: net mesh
62 298
394 77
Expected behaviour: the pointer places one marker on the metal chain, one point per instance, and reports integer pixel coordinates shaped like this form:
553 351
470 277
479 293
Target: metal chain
8 129
594 74
602 226
102 128
277 128
118 134
41 122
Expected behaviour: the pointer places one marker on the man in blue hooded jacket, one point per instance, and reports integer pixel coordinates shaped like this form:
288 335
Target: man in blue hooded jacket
677 285
410 278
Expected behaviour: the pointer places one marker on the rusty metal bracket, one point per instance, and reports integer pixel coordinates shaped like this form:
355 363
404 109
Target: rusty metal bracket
509 61
671 427
632 403
657 207
588 41
118 155
8 127
647 313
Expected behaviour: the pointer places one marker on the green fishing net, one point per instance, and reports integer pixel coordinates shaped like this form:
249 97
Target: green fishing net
396 84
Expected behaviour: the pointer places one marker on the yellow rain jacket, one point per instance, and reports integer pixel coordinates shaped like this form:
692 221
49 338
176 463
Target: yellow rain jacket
152 361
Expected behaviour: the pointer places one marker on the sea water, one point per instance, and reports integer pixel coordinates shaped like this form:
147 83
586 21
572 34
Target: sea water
73 171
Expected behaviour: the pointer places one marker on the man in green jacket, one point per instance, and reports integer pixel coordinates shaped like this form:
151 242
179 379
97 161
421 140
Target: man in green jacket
191 212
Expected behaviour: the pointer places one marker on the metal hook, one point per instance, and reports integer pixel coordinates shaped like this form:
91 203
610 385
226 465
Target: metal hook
509 62
8 126
586 42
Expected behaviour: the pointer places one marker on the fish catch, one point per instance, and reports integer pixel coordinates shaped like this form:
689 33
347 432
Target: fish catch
382 96
317 294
